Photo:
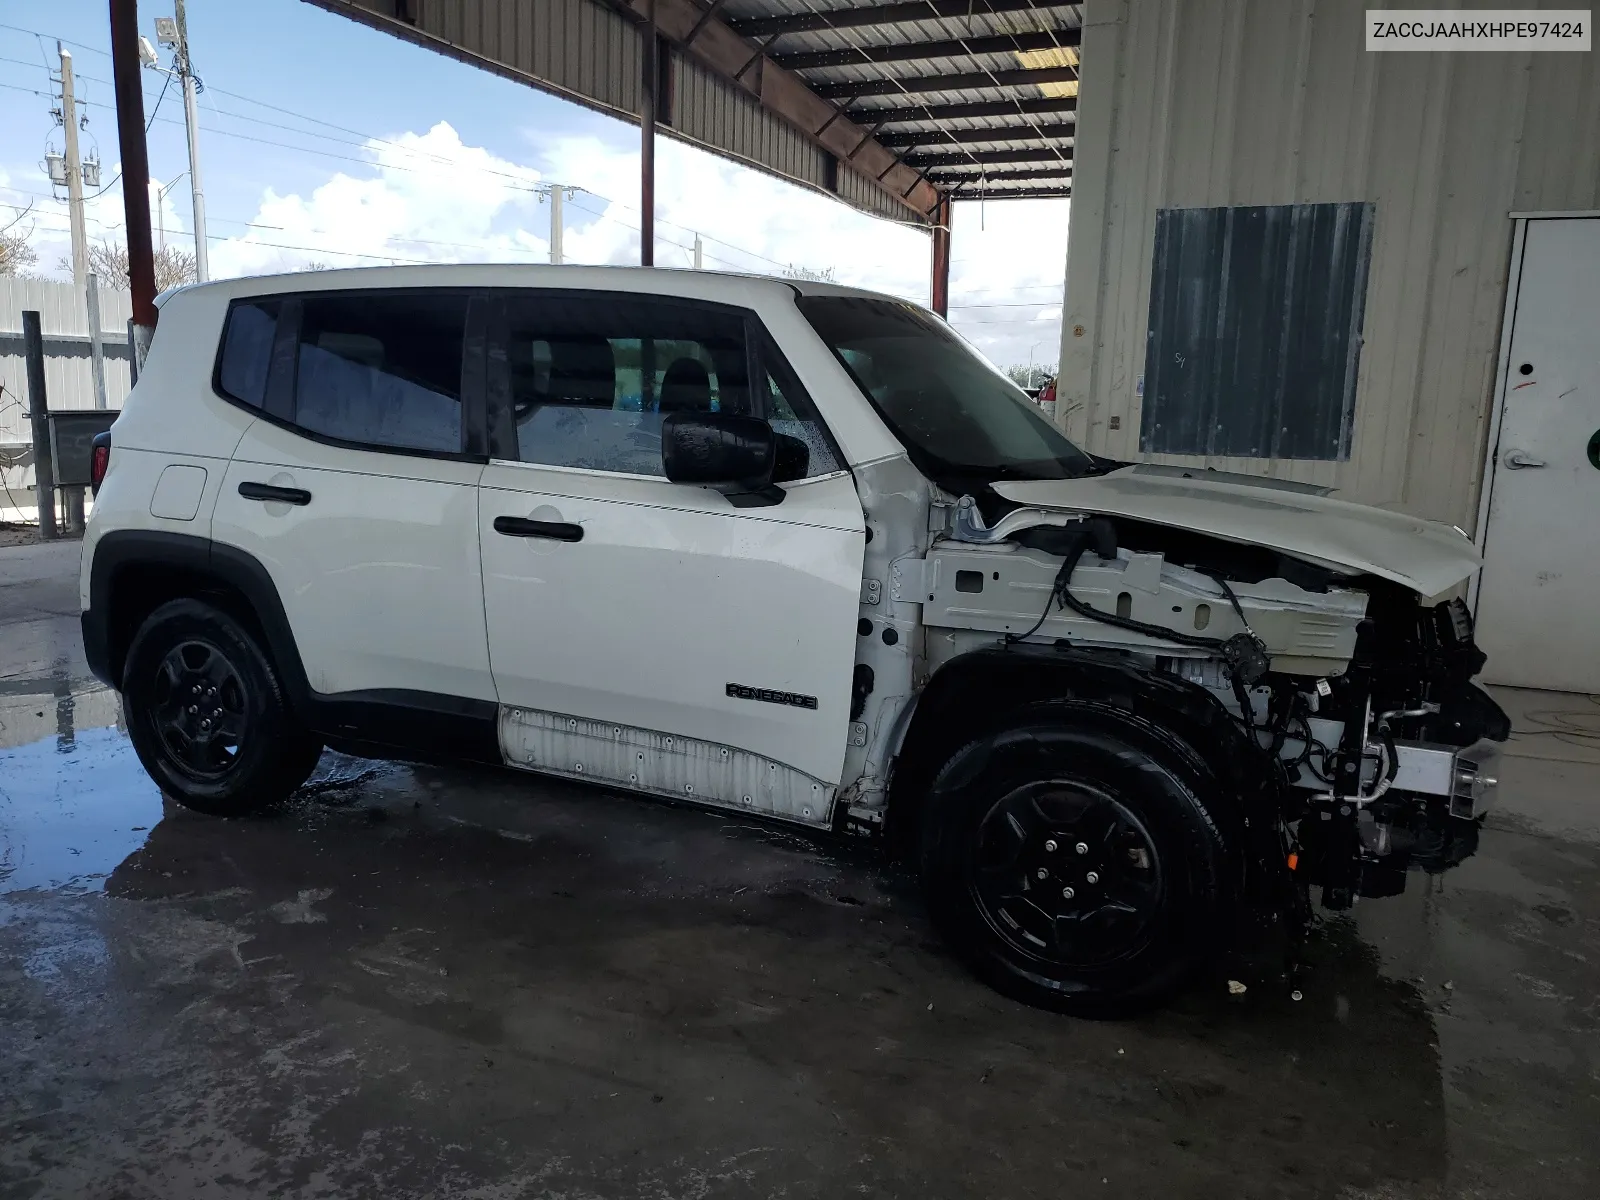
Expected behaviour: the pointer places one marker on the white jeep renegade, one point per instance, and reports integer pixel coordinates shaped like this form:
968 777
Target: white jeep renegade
793 550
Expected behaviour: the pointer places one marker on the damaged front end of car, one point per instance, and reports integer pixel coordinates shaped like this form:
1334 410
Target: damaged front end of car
1360 741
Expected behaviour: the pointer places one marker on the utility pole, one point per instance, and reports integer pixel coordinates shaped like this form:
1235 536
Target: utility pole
556 225
191 123
69 120
698 250
135 171
97 350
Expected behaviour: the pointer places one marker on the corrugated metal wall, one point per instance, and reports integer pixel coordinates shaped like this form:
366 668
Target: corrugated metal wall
1201 103
589 52
68 380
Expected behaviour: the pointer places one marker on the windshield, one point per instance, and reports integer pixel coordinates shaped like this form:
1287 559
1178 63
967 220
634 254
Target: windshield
955 414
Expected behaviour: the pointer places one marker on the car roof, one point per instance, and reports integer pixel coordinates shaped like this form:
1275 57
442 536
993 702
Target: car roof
727 286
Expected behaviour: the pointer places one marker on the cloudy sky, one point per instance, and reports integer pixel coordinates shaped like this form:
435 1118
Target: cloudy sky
324 141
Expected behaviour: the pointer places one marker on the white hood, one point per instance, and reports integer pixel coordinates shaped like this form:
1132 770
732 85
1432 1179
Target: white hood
1425 556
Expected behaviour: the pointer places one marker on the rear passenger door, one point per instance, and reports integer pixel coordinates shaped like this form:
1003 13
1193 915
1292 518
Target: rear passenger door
656 636
357 490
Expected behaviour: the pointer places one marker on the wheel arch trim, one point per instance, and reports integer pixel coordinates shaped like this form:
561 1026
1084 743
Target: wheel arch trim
228 565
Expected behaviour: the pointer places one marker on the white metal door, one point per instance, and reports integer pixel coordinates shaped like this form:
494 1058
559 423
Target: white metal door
377 569
1541 575
676 616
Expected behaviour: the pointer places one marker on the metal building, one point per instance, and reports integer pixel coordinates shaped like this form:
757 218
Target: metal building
69 382
1238 105
1292 256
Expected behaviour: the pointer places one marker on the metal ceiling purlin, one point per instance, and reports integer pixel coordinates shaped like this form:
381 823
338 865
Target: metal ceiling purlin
878 14
974 81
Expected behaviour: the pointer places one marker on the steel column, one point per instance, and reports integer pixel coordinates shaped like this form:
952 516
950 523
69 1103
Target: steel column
647 139
943 216
135 167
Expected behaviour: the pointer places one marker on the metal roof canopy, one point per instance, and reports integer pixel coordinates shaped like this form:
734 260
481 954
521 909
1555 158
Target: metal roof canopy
896 108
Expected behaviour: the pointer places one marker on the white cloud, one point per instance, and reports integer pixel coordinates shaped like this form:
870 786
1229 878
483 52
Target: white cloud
430 197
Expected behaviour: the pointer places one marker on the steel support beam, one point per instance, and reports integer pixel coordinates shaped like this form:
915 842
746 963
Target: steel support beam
1022 154
912 50
940 291
711 10
785 94
950 179
884 14
1038 193
994 133
976 81
905 114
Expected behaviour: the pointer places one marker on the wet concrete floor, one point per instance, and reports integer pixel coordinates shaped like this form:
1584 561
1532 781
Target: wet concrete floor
417 982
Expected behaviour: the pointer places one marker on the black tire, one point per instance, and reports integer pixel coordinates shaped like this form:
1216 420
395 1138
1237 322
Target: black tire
229 748
1149 890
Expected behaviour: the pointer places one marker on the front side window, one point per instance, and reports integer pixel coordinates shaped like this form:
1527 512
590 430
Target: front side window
382 370
961 421
591 379
247 350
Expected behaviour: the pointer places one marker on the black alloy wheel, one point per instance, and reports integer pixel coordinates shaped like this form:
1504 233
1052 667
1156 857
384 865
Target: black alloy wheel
200 709
207 712
1079 859
1064 870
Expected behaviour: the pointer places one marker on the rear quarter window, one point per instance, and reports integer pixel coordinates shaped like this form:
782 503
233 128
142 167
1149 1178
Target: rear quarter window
247 350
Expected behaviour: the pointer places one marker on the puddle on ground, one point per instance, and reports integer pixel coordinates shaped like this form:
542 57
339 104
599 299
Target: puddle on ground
74 801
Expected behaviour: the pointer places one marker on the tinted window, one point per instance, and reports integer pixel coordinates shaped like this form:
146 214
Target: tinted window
959 419
382 370
247 350
591 380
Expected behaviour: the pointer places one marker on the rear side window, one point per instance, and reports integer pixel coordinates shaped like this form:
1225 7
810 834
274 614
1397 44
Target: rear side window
247 350
382 370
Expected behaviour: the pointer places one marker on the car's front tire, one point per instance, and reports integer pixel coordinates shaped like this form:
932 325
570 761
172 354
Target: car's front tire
208 715
1075 861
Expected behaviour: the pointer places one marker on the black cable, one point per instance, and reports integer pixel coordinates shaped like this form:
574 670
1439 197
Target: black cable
157 107
1058 589
1228 592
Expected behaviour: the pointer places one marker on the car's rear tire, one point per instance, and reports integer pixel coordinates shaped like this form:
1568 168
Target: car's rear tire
208 715
1075 860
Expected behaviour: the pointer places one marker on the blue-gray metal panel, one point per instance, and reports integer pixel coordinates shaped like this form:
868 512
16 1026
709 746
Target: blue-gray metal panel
1255 330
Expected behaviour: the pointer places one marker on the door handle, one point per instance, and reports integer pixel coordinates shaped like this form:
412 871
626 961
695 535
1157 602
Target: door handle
269 492
560 531
1521 460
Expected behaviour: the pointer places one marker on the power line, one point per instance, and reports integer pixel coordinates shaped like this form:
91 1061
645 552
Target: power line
521 181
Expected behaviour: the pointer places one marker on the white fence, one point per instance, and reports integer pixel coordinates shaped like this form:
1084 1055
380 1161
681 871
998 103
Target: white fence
68 380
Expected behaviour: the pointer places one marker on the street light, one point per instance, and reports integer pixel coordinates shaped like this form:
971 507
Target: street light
161 191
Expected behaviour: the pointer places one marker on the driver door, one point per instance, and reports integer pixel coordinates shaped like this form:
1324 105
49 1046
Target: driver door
648 634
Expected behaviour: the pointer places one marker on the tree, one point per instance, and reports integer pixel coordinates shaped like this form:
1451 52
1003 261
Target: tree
825 275
109 260
16 256
1030 377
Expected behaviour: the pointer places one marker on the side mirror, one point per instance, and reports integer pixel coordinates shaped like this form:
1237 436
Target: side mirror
734 454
